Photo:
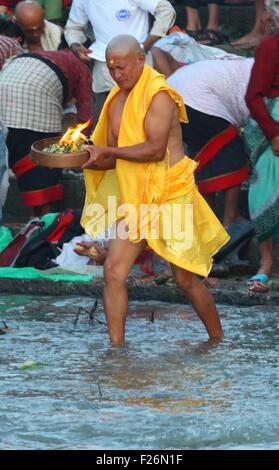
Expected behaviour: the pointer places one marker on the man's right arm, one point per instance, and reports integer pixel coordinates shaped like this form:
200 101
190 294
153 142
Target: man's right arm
157 124
75 30
164 18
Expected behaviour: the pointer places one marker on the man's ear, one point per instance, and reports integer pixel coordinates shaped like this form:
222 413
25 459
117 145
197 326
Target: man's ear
141 58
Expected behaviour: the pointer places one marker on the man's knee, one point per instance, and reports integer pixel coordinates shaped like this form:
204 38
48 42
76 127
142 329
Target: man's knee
184 279
114 271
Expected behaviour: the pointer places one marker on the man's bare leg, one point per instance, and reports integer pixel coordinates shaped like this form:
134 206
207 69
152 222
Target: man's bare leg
253 38
266 257
231 199
193 19
120 259
213 17
201 299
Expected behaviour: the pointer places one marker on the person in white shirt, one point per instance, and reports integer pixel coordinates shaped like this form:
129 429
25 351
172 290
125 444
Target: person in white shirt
110 18
214 93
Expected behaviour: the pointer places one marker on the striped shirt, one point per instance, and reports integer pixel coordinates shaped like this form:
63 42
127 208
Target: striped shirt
8 48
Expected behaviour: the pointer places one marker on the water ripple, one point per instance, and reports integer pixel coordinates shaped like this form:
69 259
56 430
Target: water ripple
65 387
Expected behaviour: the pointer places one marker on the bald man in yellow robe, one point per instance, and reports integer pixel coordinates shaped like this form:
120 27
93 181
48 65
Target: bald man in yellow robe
138 161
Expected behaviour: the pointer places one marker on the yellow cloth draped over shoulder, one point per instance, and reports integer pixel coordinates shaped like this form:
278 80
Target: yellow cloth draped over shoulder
188 233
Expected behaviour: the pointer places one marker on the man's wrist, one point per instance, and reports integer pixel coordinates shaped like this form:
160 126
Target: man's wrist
110 152
74 46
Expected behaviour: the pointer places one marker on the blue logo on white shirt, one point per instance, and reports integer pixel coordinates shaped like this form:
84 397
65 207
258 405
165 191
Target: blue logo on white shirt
123 15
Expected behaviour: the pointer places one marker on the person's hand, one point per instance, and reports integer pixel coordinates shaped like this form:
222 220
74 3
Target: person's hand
275 145
93 250
81 52
97 157
267 22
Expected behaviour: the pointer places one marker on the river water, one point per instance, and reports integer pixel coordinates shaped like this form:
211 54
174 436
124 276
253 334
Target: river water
64 387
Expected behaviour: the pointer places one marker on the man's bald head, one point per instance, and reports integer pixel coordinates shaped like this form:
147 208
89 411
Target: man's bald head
30 18
125 59
29 11
123 45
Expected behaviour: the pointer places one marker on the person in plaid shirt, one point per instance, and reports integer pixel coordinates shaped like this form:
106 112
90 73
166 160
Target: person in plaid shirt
33 90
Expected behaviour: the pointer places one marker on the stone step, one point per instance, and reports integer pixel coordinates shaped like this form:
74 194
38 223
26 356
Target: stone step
228 293
235 19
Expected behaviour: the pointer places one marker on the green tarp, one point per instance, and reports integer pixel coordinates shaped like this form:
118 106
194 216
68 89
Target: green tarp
5 237
32 273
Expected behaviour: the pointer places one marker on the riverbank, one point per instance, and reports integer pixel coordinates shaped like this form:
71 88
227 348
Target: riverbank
230 291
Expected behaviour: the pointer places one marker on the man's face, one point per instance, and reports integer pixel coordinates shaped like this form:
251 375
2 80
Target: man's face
125 70
32 30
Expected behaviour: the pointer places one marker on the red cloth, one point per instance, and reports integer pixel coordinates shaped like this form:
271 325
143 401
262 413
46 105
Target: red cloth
79 81
264 82
9 3
145 260
13 3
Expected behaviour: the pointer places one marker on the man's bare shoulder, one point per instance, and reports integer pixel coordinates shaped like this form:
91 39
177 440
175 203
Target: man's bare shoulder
163 96
162 102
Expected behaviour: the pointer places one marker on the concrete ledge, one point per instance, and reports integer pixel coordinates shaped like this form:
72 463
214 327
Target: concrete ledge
233 293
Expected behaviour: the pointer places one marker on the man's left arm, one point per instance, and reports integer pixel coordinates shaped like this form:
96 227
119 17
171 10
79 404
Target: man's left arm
164 18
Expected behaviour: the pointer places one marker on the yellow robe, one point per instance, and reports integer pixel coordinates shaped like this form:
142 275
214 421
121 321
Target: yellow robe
152 183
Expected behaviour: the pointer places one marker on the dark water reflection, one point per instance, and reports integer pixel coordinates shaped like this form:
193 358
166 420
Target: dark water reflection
168 388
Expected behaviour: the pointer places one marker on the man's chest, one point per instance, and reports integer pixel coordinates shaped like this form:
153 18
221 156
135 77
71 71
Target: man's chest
115 113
